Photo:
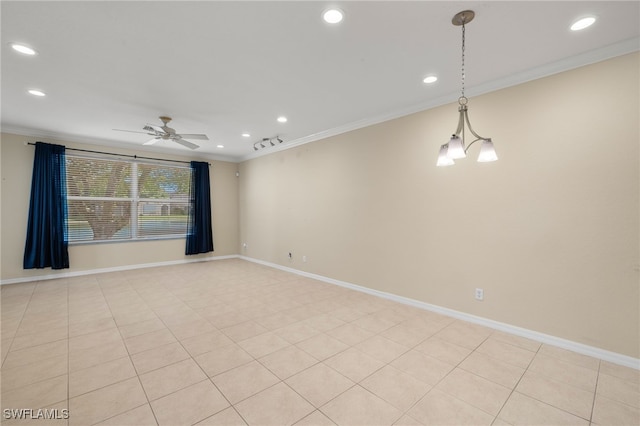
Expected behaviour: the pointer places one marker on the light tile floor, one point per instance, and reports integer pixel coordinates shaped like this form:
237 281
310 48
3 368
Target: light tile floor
232 343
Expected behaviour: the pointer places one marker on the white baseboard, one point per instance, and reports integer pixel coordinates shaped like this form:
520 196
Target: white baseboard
67 274
580 348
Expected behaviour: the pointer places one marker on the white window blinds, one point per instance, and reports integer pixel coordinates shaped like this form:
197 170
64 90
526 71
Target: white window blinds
112 199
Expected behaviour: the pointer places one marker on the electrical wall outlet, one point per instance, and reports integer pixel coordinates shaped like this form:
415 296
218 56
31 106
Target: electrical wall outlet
304 258
479 294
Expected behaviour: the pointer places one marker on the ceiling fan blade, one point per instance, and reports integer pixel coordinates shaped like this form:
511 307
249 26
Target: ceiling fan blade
194 136
151 142
130 131
186 143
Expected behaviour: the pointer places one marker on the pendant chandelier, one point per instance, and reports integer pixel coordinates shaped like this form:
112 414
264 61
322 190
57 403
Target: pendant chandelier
456 147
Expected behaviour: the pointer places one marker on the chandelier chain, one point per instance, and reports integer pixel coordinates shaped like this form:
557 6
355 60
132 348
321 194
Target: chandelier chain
463 39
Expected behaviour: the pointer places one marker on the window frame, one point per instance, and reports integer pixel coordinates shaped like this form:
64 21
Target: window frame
134 199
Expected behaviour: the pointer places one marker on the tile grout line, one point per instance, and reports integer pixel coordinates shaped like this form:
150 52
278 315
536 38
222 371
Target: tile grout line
128 356
280 381
595 392
26 306
190 357
29 347
409 349
388 364
549 404
454 367
317 363
371 374
518 382
134 367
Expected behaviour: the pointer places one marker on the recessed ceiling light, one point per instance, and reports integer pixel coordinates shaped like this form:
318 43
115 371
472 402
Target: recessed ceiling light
332 16
219 146
246 135
23 49
282 119
583 23
36 92
430 79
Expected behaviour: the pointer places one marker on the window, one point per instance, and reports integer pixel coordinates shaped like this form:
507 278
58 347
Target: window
125 200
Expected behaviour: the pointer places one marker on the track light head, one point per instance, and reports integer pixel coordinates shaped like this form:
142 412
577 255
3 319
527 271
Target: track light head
266 142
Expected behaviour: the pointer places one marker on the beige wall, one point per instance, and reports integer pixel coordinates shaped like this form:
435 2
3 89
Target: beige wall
550 232
17 162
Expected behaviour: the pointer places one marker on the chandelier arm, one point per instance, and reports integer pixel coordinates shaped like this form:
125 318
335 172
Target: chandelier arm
469 146
466 117
460 121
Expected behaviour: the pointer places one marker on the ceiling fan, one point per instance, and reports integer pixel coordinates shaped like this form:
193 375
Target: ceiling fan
165 132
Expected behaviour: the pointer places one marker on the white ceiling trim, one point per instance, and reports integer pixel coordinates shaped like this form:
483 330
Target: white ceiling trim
105 143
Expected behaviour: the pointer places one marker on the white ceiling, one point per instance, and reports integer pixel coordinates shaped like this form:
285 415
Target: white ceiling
224 68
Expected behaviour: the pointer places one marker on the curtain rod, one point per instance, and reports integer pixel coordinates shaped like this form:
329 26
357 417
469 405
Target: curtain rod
121 155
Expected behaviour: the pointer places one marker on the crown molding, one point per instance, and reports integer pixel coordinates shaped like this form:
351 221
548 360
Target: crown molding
65 137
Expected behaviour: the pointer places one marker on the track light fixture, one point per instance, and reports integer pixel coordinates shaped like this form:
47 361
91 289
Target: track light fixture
455 148
266 142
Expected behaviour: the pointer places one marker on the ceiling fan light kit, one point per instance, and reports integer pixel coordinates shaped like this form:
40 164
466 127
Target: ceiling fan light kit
455 148
166 133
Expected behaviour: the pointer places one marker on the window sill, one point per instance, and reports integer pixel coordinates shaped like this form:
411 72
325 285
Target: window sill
128 240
